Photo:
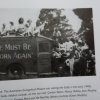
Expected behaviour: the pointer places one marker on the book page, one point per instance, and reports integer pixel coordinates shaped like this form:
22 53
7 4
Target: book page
49 50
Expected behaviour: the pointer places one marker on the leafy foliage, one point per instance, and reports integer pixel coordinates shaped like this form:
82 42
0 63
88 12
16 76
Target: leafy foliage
87 25
53 19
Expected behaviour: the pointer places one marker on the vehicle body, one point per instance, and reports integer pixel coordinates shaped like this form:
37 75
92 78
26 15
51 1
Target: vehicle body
24 55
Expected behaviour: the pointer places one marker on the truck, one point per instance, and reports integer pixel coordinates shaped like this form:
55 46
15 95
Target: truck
25 55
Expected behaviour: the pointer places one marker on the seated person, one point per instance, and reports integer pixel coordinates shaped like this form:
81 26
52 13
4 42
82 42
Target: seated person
21 28
11 30
3 30
28 28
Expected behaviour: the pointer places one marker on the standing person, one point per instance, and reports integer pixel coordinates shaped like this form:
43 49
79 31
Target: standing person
56 34
71 61
21 27
77 68
83 64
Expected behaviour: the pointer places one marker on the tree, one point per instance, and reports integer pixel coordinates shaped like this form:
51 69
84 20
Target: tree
52 19
86 30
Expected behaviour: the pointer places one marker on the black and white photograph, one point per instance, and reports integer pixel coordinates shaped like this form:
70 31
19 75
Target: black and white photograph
46 43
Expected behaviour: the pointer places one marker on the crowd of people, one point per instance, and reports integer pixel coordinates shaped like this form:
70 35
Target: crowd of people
73 58
23 29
